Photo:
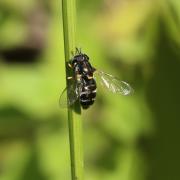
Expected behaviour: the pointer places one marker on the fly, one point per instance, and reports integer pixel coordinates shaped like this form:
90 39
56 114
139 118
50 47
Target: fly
84 85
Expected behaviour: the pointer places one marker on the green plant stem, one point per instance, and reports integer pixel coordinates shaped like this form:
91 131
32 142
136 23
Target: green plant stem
74 113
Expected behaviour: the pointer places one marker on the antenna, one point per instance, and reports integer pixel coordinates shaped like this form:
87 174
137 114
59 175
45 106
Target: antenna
78 51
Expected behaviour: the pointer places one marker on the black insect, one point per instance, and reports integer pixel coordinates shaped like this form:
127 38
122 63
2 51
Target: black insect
84 83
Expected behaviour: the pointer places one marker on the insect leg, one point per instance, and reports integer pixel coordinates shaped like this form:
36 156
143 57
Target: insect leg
70 65
90 77
70 77
72 53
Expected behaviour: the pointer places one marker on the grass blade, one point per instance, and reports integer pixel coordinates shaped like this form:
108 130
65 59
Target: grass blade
74 113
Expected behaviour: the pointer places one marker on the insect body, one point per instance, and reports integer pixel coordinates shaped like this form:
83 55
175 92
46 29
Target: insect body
83 72
84 83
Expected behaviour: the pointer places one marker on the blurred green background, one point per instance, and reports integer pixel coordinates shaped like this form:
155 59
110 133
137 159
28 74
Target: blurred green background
126 138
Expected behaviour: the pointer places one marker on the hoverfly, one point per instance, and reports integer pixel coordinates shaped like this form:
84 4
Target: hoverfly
84 85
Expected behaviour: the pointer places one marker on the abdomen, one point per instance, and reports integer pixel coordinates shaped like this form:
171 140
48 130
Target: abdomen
88 93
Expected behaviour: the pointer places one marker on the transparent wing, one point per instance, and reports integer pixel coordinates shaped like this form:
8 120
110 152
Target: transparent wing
113 84
73 95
